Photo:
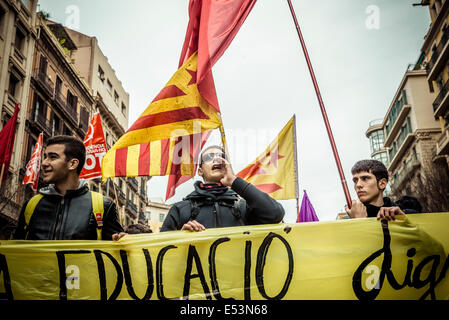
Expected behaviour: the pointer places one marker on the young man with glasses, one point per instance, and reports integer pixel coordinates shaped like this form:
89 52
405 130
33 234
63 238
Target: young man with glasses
222 200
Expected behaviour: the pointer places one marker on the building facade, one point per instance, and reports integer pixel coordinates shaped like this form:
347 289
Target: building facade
59 78
17 41
435 59
155 214
112 102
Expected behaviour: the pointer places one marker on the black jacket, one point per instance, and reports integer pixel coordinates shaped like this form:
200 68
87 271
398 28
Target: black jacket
68 217
374 210
226 210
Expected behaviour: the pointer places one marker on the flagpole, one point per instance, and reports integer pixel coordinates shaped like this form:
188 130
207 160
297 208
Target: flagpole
1 174
323 109
295 161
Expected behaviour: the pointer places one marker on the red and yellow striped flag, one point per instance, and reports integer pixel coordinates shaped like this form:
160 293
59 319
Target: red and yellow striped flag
147 147
274 171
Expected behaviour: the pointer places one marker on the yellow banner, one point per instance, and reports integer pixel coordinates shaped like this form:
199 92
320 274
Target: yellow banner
349 259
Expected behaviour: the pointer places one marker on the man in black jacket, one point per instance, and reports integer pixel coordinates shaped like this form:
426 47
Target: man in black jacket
216 203
370 179
65 212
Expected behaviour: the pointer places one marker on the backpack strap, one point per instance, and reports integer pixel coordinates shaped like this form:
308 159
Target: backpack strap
29 210
98 211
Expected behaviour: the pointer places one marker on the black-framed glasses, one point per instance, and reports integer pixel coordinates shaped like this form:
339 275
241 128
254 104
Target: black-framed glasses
208 157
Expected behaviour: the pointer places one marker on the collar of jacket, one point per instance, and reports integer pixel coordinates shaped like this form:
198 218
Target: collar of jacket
199 193
50 190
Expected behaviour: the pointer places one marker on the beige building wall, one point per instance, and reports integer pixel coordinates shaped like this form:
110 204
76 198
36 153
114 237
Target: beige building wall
156 212
413 132
17 37
112 102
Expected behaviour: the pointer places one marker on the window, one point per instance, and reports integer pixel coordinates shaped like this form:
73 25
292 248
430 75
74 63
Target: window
20 40
55 126
2 20
161 217
101 74
377 140
123 109
58 86
109 86
13 85
116 97
84 119
40 109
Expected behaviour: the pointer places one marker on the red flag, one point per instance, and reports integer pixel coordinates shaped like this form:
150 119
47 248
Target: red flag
7 136
34 165
196 144
212 26
95 144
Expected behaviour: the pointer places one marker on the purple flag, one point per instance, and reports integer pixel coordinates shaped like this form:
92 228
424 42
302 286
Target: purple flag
307 213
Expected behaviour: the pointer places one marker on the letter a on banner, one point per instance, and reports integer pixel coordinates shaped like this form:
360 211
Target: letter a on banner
95 144
34 165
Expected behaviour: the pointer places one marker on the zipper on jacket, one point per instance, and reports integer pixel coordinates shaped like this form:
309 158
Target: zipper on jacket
59 219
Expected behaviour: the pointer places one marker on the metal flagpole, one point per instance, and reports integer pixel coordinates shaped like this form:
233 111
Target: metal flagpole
323 109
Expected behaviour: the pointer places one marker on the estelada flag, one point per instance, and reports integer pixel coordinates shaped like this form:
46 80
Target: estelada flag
34 165
274 170
7 137
96 148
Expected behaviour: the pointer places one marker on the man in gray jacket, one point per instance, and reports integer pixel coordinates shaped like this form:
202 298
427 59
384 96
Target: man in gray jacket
65 211
216 202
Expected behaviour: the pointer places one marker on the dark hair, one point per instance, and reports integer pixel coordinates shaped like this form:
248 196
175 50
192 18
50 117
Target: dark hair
208 148
73 149
375 167
409 204
138 228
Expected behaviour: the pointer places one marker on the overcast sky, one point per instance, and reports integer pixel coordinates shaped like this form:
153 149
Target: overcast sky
360 51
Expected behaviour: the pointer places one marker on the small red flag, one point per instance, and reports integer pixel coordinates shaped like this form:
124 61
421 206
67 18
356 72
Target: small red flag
95 144
34 165
7 136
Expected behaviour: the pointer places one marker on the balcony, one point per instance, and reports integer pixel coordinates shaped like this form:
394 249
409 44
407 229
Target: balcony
45 83
133 183
406 172
131 208
442 147
120 195
396 118
439 57
442 101
40 122
399 146
66 108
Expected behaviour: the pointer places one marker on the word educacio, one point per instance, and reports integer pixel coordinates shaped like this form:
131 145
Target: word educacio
155 283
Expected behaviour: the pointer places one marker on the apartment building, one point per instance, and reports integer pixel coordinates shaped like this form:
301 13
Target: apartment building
406 138
435 58
17 39
112 102
155 214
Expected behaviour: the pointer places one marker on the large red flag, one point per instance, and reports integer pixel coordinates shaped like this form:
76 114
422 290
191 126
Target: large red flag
212 26
34 165
95 144
7 136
